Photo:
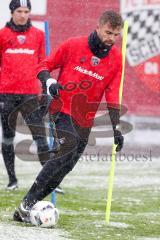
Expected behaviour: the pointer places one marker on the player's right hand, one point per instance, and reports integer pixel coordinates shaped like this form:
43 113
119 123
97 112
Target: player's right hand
53 87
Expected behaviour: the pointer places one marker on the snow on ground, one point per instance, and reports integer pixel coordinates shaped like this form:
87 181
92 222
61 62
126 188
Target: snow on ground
11 231
93 174
148 239
111 224
88 175
127 174
26 172
119 225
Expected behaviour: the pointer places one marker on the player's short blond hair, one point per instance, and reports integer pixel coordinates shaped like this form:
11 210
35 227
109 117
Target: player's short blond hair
112 17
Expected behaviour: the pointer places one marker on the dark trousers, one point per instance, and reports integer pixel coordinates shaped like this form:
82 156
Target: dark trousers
59 165
28 106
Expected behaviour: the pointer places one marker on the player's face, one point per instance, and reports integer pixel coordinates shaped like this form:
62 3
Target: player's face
107 34
20 15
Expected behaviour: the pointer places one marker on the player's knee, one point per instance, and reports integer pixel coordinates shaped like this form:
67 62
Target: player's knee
7 141
70 165
43 149
81 146
40 141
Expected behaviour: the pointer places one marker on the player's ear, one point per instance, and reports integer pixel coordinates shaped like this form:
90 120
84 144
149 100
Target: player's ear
97 28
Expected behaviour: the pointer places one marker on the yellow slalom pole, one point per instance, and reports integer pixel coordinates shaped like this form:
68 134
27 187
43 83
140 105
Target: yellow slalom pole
112 167
124 44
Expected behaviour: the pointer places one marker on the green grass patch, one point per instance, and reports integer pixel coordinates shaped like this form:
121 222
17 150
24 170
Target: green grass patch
82 213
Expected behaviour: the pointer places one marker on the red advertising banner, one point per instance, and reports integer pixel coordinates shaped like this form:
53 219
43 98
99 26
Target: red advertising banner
143 55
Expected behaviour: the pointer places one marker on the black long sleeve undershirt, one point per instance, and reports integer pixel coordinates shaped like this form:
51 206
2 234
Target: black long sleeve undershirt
43 76
114 116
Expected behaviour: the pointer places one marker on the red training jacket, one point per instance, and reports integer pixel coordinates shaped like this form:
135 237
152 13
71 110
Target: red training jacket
85 79
20 52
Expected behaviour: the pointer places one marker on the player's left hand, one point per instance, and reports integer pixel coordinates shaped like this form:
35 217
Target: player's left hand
118 140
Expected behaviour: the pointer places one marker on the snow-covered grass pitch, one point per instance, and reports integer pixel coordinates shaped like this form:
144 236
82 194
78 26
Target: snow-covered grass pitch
135 213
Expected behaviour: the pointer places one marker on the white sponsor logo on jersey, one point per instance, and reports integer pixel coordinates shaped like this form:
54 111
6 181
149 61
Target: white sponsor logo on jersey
20 51
90 73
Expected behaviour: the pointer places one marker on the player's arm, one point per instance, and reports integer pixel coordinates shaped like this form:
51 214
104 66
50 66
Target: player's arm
112 98
56 60
41 56
41 51
0 53
1 103
118 138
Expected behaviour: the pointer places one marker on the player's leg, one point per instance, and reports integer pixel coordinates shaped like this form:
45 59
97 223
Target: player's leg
8 134
34 120
52 174
33 112
58 166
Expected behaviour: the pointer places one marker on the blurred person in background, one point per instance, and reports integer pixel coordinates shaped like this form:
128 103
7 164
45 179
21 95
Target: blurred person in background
22 47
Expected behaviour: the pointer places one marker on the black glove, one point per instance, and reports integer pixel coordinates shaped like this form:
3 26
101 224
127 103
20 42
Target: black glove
54 89
118 140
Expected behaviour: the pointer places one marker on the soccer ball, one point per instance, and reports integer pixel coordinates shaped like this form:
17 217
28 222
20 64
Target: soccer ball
44 214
